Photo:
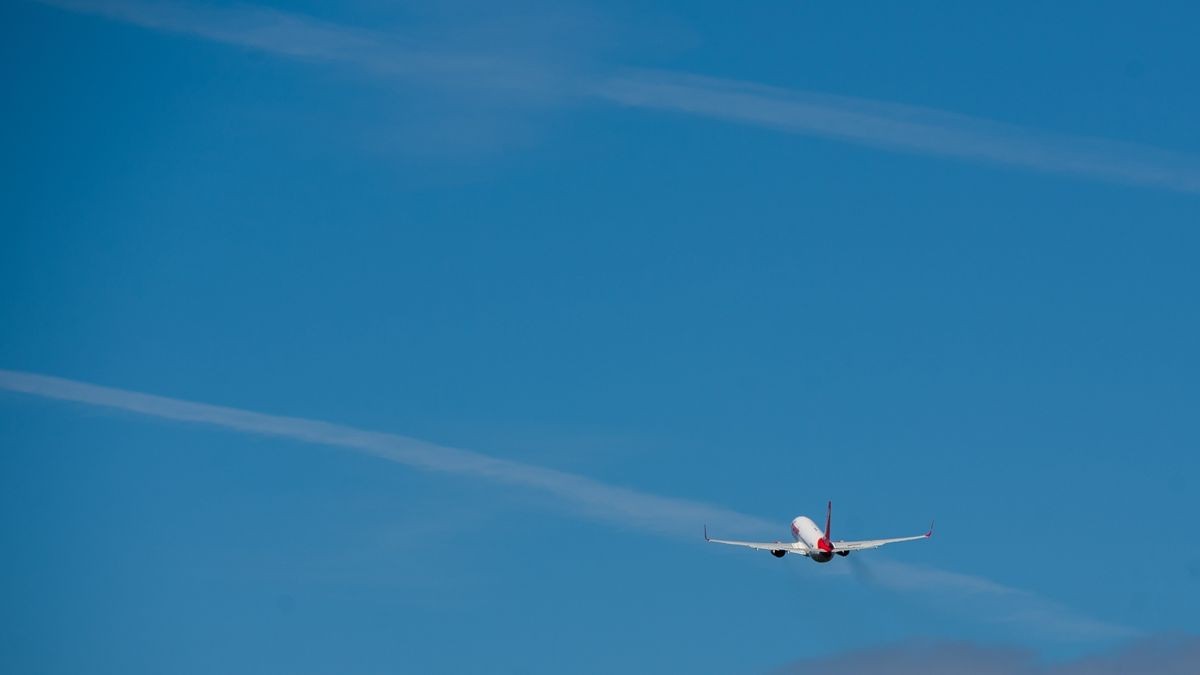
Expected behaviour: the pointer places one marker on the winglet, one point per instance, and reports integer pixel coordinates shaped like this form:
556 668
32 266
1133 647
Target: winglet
706 533
930 532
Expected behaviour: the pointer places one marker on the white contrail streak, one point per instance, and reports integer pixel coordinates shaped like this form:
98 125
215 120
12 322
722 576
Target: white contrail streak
903 128
662 515
622 506
879 124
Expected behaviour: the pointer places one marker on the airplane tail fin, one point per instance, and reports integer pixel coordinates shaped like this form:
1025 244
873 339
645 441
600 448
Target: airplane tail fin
825 544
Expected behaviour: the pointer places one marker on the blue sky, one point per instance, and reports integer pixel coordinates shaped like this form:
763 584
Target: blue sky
923 261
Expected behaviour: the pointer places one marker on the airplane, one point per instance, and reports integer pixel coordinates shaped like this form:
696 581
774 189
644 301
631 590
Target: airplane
816 545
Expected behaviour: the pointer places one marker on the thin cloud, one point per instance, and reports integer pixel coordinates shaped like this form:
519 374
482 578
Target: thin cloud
878 124
296 36
1156 656
901 127
668 516
1004 604
653 513
269 30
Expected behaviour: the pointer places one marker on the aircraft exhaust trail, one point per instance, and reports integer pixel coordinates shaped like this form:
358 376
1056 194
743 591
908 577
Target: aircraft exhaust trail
880 124
653 513
668 516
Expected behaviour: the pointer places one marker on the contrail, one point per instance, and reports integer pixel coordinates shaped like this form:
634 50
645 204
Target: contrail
903 128
879 124
660 515
657 514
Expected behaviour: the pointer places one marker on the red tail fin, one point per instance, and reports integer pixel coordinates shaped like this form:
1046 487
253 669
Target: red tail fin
825 544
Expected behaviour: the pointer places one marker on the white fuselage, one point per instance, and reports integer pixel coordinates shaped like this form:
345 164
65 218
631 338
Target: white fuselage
815 543
806 532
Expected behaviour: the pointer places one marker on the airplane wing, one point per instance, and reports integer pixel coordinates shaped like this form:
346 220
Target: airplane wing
791 547
876 543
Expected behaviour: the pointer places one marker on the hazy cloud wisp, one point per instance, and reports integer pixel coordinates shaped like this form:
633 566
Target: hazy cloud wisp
878 124
661 515
901 127
1156 656
622 506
